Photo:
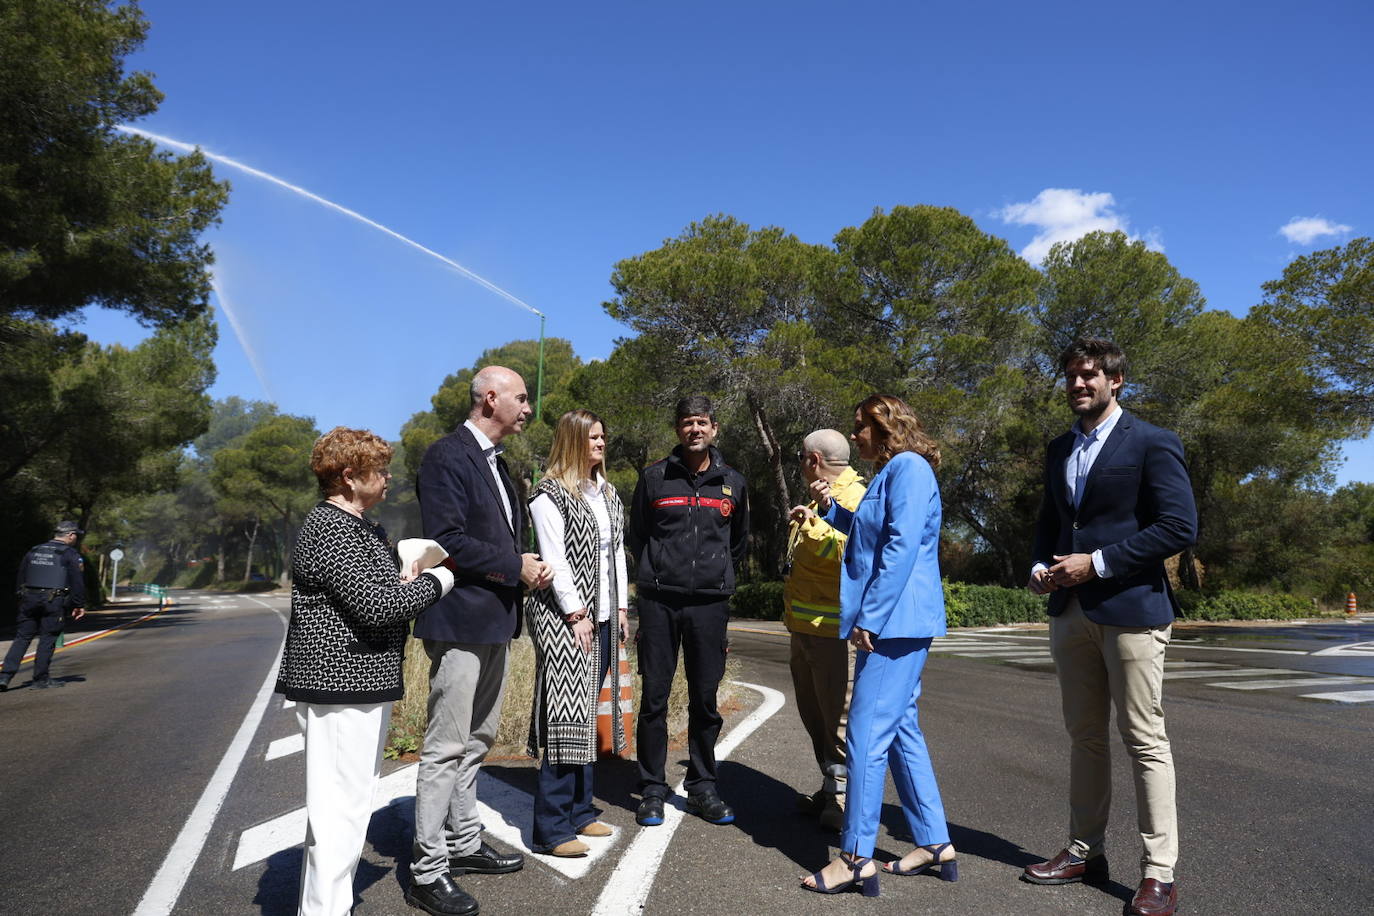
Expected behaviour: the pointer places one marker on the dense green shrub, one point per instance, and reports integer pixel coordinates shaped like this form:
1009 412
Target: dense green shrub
988 605
757 601
1245 606
991 605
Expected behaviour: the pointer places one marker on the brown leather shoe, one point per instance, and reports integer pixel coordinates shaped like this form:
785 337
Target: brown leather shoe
1066 869
1154 898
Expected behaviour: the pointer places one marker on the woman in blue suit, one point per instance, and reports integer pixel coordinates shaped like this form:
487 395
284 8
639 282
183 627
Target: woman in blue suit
891 606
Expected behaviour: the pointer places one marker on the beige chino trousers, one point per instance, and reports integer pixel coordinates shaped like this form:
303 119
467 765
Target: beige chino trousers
1100 667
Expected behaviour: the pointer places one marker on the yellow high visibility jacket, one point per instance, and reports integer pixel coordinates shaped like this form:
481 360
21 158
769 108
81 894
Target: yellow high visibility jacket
811 594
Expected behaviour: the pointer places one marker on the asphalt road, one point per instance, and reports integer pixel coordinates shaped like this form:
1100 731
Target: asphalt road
99 780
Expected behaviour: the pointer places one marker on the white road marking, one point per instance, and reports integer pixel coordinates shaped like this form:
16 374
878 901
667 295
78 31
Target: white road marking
161 896
507 813
1294 682
288 704
1041 659
283 747
630 883
1365 649
998 653
1229 672
1344 696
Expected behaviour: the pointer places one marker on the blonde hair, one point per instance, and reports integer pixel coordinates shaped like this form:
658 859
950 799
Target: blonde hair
342 448
897 430
571 450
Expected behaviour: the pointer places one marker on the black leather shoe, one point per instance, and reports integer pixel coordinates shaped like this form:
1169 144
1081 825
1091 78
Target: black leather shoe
709 807
650 811
1067 868
5 682
46 683
486 861
442 898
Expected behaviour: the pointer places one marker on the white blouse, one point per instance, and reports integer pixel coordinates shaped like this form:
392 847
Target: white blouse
548 524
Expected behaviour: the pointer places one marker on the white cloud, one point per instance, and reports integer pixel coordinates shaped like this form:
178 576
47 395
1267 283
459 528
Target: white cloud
1065 214
1304 230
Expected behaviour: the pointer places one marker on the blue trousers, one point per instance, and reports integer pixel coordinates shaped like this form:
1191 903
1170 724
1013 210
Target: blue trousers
882 732
563 791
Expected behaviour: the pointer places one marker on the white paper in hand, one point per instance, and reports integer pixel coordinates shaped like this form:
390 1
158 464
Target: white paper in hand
420 551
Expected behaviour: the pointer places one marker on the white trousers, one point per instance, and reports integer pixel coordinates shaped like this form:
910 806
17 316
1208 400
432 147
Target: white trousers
343 760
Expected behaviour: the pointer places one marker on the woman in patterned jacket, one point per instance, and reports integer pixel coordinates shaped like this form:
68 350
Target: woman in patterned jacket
344 649
577 627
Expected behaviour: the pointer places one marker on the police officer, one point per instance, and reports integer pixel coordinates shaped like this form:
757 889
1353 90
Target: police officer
49 583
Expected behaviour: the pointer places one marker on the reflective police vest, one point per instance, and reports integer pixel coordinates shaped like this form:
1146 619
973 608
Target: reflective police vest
43 566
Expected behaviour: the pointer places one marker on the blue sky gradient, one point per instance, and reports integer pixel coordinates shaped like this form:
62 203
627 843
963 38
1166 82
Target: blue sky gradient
539 143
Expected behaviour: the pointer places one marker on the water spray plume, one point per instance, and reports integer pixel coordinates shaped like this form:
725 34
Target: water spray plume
310 195
217 284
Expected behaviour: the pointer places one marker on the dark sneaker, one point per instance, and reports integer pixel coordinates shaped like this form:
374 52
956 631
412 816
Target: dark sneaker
650 811
709 807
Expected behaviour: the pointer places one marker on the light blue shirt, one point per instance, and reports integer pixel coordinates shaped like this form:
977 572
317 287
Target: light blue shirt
1086 448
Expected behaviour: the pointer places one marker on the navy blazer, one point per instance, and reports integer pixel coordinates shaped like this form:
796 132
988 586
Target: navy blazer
1137 508
460 508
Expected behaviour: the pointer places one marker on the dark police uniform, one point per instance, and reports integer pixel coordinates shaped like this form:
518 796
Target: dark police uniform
49 584
688 531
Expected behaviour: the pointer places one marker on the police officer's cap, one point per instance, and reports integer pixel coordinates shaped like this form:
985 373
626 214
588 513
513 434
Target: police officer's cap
67 528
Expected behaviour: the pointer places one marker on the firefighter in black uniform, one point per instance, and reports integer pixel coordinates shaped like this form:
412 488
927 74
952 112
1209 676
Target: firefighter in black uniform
689 528
49 583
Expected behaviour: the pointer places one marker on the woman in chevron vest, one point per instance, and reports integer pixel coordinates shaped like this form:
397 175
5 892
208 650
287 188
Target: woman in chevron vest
577 627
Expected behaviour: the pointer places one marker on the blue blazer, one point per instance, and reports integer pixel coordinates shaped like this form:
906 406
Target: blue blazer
460 508
890 584
1137 508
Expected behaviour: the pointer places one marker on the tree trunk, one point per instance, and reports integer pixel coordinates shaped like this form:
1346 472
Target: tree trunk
252 538
769 440
285 578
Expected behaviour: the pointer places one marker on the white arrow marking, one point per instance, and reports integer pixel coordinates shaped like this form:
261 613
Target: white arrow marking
632 879
1352 648
282 747
507 813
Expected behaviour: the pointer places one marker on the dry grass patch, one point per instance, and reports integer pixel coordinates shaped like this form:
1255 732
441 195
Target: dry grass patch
409 716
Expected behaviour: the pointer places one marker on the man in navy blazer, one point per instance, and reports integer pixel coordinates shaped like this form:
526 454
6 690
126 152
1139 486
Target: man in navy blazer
1117 502
469 504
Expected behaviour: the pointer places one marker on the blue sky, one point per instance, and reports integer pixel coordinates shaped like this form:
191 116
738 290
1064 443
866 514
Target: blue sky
537 144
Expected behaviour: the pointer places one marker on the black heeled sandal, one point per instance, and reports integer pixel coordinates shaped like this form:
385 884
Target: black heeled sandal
868 886
948 871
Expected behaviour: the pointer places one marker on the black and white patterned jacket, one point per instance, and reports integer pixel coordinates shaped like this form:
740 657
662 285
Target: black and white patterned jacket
346 640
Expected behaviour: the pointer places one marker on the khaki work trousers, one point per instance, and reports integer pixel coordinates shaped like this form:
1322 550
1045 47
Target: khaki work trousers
820 679
1100 667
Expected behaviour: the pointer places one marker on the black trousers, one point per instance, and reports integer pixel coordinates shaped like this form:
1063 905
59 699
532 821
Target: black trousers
696 624
41 618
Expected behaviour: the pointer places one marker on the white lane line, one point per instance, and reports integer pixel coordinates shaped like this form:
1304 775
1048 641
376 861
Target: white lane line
628 887
1344 696
1192 648
996 650
288 704
1042 659
1228 672
161 896
1171 663
283 747
1293 682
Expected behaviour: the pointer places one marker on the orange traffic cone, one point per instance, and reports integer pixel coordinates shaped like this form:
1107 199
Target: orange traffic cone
609 706
1350 605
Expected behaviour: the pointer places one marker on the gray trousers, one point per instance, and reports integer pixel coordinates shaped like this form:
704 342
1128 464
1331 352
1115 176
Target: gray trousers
466 685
